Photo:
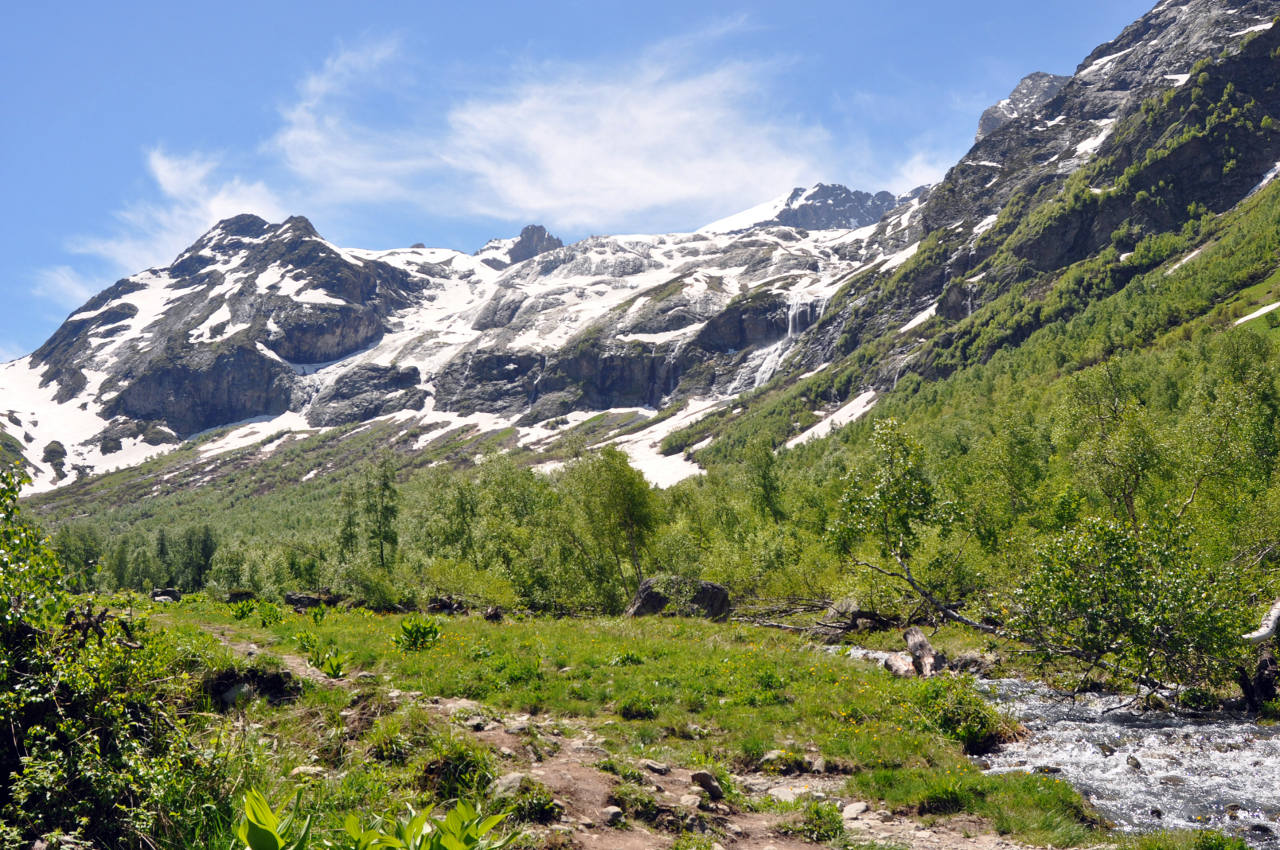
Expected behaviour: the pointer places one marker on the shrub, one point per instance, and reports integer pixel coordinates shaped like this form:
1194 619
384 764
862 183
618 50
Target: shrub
960 713
455 768
820 822
417 635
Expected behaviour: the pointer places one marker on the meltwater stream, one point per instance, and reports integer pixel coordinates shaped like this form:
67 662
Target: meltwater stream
1148 770
1143 770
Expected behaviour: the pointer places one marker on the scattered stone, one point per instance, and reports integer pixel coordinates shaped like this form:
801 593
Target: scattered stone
815 764
1106 749
787 793
1048 769
507 785
612 815
517 727
476 723
173 593
1173 780
493 614
734 830
853 811
655 767
1261 829
162 600
690 801
707 783
900 665
885 816
1133 762
976 663
1157 814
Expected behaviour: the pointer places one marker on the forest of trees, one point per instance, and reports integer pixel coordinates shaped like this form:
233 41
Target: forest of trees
1125 515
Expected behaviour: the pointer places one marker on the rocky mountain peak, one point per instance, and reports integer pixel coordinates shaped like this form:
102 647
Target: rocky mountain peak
1030 94
824 206
533 240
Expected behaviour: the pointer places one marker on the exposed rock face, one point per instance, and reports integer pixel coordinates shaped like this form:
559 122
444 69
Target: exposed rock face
256 320
366 391
1033 91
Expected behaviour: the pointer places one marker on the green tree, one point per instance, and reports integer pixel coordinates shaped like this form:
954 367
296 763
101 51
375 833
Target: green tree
381 510
617 507
1137 601
348 525
889 508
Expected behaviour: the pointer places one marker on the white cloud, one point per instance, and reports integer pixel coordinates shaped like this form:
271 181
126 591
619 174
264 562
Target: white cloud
584 151
64 286
928 166
152 233
570 145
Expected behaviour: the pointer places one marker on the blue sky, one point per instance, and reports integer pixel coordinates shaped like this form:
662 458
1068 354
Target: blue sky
130 128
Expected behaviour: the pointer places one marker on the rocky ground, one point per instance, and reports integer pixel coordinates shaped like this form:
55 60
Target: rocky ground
565 757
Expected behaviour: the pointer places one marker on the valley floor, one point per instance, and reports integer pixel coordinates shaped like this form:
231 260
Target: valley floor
800 746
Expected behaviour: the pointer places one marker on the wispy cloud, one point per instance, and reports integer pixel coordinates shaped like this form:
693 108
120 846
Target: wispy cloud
582 151
192 199
672 136
578 146
64 286
10 351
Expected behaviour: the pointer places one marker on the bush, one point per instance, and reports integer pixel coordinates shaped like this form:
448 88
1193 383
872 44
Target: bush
960 713
417 635
95 745
455 768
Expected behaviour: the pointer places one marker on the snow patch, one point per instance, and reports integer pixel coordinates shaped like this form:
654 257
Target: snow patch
748 218
643 447
1184 261
1258 28
1088 146
1266 178
920 318
851 412
901 257
1261 311
985 225
664 336
1102 63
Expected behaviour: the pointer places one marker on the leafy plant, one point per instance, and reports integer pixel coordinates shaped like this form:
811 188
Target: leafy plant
260 828
318 613
243 609
307 641
820 822
269 614
327 660
417 634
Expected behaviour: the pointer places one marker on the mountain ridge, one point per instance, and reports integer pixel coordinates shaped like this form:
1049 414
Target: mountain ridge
270 321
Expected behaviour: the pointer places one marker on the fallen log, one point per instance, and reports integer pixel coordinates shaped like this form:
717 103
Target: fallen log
1268 627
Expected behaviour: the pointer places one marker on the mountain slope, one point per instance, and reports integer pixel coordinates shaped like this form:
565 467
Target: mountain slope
1071 190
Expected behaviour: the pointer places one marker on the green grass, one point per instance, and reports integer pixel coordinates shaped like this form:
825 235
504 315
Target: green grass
713 695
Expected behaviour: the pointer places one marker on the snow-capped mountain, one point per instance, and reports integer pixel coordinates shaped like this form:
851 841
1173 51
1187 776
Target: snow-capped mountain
825 206
269 327
260 322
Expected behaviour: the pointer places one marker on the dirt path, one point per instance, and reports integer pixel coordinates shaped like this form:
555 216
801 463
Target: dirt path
565 757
